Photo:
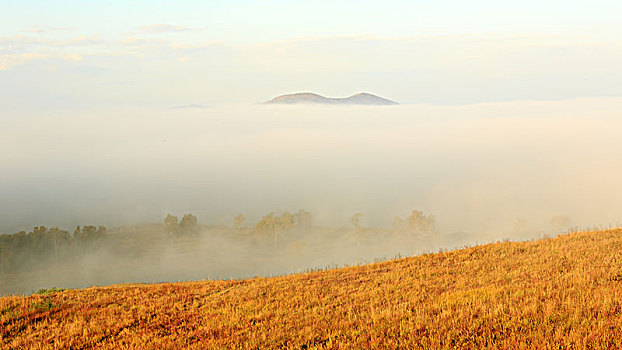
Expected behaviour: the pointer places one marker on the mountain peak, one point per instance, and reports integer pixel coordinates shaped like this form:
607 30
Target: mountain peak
362 98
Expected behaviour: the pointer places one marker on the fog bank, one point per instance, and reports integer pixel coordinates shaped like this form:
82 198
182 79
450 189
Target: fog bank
478 168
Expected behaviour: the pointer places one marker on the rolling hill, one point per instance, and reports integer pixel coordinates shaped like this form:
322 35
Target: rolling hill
311 98
564 292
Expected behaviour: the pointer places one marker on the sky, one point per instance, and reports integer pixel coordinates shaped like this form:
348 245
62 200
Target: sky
83 54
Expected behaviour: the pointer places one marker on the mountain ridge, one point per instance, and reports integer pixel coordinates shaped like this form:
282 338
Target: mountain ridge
362 98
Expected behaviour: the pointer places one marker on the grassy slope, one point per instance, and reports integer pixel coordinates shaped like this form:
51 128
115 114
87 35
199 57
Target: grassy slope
565 291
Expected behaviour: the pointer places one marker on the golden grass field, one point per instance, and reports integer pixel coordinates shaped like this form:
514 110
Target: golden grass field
560 293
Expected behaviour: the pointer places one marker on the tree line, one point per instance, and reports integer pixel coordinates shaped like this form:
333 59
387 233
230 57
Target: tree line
22 250
26 250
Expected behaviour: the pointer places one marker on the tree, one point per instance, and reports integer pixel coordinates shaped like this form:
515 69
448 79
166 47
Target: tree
275 223
519 226
267 223
170 223
5 253
188 223
398 223
303 219
286 221
58 238
239 220
84 237
419 223
89 232
355 220
559 223
272 222
38 241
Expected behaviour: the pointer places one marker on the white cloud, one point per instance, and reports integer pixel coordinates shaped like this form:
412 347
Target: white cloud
135 41
73 57
18 43
81 40
39 28
160 28
12 60
194 46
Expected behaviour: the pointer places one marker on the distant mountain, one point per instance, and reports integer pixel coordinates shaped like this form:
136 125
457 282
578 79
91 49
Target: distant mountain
365 99
311 98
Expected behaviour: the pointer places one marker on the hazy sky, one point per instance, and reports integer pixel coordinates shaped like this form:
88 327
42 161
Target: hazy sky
76 54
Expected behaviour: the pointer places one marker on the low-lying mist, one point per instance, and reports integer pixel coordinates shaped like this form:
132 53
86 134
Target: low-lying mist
486 172
150 253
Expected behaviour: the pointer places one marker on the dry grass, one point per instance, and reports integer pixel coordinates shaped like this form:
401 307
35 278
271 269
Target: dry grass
557 293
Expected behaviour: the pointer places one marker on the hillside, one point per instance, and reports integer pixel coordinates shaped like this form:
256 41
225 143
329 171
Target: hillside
311 98
564 292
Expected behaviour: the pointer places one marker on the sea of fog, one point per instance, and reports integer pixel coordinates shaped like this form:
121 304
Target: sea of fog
482 169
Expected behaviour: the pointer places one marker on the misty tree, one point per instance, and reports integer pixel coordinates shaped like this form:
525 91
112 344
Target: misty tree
170 223
23 250
398 224
417 222
519 226
85 237
559 223
5 253
303 219
39 240
272 223
267 223
355 220
239 220
188 223
89 232
59 238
